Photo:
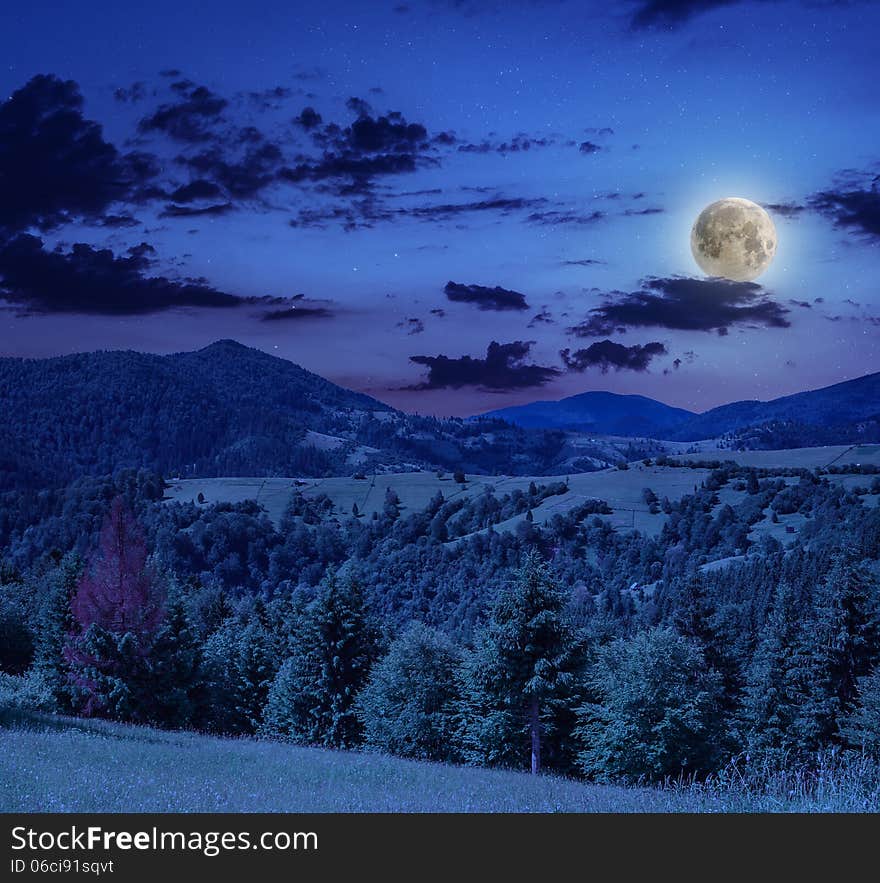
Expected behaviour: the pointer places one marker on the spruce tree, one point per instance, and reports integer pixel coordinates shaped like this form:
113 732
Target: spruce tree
254 672
54 624
312 698
849 618
176 670
861 726
790 706
525 660
117 609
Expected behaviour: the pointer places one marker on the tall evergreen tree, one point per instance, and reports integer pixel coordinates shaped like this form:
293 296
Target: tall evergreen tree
312 698
254 672
528 655
54 625
176 670
861 726
849 617
117 609
789 705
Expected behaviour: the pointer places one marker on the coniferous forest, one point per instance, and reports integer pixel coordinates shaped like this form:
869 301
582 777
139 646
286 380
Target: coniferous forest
564 647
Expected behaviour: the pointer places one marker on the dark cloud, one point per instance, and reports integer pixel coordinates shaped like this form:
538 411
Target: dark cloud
119 221
632 212
606 354
674 13
801 303
517 144
131 94
385 134
412 326
855 208
671 13
354 155
360 106
486 298
589 147
298 312
55 164
583 262
545 317
686 304
190 211
199 189
267 99
308 118
504 368
438 312
189 119
95 281
554 217
242 176
358 170
501 205
785 209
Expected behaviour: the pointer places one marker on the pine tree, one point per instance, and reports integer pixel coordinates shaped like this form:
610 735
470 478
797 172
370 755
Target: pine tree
312 698
176 670
861 726
529 654
117 609
790 706
770 703
254 672
54 624
849 617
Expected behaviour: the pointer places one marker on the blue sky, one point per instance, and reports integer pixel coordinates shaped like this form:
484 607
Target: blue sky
557 151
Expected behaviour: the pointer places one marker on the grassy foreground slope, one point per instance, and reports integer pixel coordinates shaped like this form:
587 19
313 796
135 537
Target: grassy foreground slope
64 765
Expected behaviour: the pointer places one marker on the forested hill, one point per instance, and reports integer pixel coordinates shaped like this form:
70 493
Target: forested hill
841 405
223 410
843 413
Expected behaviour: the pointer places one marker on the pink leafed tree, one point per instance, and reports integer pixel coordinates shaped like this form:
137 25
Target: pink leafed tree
119 591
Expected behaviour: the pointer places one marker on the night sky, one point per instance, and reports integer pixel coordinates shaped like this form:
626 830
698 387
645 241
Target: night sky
453 206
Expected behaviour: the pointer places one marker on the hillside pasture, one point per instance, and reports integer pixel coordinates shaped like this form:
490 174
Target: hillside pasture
622 489
793 458
56 764
273 494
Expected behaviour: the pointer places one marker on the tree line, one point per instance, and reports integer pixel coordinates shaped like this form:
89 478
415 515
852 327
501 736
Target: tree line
776 660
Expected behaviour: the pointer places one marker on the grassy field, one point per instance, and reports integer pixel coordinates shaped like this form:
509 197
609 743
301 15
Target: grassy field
797 458
64 765
621 489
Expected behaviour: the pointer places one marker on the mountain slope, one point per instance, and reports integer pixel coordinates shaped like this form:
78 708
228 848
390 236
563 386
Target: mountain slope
839 408
604 413
840 405
219 409
231 410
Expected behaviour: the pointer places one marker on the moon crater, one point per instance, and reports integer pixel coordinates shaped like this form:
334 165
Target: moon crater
734 238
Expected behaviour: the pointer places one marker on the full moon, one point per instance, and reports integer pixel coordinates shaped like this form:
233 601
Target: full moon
734 238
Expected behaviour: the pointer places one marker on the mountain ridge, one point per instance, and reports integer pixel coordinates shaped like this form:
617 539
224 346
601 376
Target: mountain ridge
841 404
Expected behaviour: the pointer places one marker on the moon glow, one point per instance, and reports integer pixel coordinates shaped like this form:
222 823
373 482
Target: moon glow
734 238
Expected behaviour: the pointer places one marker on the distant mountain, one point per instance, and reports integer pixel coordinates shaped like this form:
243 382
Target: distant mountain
847 411
229 410
604 413
840 405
